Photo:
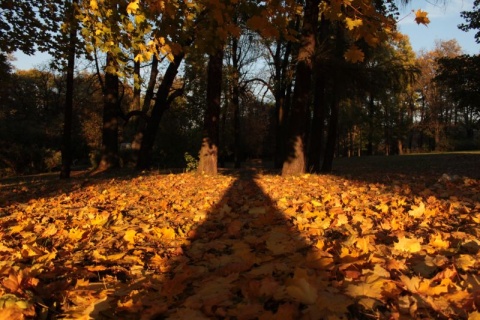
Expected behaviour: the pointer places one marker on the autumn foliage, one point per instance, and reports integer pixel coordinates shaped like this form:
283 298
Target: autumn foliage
243 244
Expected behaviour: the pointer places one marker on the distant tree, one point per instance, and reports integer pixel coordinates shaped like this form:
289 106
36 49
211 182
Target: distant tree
47 26
472 20
461 75
29 25
6 69
436 110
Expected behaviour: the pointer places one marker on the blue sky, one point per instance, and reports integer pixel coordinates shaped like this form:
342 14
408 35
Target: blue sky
444 19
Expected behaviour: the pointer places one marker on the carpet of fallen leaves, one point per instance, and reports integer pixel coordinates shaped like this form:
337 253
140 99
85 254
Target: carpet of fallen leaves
244 246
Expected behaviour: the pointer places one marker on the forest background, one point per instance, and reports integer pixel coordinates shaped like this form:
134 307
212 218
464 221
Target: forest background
148 85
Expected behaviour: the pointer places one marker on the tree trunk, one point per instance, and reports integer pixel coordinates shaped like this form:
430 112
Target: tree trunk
147 99
68 112
162 103
281 84
109 157
400 146
209 150
332 134
236 104
294 163
371 124
317 136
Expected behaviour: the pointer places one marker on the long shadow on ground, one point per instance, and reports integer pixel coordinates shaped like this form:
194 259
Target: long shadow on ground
245 260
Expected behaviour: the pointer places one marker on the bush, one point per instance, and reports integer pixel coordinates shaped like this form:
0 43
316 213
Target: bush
52 159
192 162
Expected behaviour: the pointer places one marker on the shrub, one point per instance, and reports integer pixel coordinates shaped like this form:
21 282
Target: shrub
192 162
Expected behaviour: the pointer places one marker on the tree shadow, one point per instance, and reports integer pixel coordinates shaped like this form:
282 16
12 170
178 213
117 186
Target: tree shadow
245 260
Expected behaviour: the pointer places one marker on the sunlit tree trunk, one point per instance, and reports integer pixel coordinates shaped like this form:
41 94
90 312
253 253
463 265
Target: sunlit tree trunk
208 156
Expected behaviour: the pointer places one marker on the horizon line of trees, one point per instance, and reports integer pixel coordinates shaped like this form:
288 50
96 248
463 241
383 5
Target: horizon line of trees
297 83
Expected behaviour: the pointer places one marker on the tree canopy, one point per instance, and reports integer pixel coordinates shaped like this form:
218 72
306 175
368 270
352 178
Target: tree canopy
313 80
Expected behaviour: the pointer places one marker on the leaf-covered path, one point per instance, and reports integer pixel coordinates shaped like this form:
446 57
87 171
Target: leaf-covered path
244 246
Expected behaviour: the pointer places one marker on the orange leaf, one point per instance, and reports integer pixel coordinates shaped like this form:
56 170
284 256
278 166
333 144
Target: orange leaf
354 54
421 17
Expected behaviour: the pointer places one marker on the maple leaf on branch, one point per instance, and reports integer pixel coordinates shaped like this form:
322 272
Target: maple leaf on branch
354 54
421 17
353 23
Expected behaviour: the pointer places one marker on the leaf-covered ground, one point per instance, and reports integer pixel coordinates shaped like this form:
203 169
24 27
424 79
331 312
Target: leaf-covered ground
242 245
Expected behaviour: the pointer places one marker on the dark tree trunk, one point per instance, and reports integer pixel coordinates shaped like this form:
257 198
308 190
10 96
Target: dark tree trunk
294 163
236 104
317 136
371 124
68 112
332 134
136 107
209 149
162 103
109 157
147 99
281 84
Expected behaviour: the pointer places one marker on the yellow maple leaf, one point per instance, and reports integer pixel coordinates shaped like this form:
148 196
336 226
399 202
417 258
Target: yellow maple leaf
354 54
437 241
364 244
130 236
421 17
417 211
93 5
50 231
169 233
353 23
75 234
314 202
47 257
100 219
132 7
372 290
97 256
408 245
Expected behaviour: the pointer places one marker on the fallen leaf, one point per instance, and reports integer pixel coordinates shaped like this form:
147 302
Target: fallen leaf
405 244
130 236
